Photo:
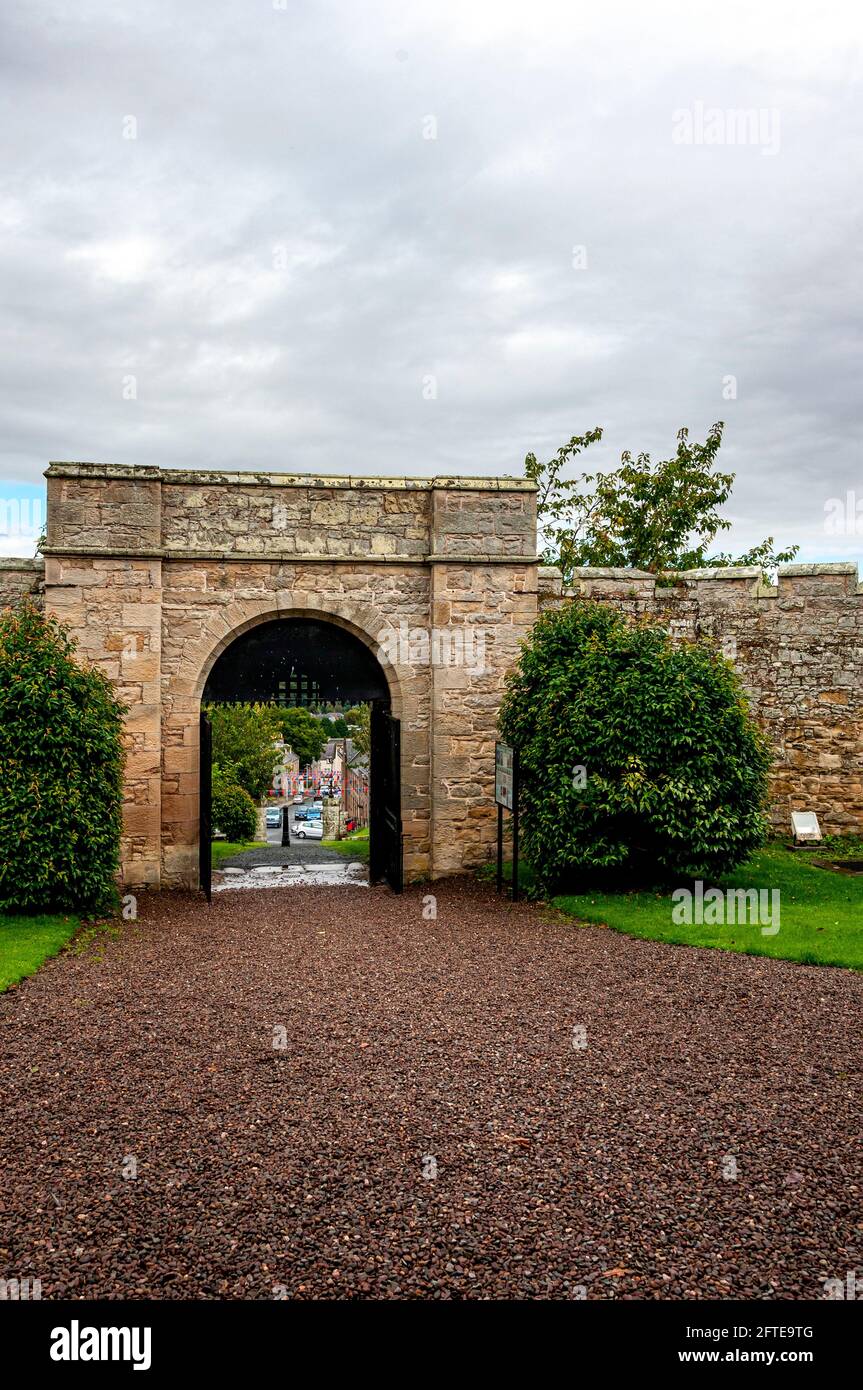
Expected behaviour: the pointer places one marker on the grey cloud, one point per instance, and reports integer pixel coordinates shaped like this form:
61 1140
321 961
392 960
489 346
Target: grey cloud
280 258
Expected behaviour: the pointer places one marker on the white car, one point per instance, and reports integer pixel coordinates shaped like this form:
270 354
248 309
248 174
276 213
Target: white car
308 830
318 804
298 799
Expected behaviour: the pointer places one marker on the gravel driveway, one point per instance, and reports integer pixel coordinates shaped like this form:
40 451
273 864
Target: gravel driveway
434 1127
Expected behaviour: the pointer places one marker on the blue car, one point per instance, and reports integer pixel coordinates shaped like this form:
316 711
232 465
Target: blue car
301 815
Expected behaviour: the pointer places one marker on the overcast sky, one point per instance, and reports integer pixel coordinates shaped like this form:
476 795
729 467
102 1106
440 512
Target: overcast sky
409 238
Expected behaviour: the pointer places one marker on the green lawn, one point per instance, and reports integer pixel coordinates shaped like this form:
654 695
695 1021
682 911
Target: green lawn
223 849
354 846
25 942
821 913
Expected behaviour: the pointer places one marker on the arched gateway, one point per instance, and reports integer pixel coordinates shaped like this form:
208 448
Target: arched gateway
294 659
159 573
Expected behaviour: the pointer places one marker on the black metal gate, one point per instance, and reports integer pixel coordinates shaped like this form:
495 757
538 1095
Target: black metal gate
385 828
205 831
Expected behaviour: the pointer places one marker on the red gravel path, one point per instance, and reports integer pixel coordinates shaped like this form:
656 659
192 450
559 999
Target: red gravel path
557 1166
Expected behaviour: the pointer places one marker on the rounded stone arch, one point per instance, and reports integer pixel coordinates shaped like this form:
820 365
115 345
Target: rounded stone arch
192 661
240 617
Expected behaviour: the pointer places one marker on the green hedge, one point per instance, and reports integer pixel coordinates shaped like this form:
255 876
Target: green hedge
61 770
639 757
234 813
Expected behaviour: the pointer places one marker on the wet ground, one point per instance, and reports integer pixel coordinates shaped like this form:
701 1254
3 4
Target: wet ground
335 872
299 852
306 856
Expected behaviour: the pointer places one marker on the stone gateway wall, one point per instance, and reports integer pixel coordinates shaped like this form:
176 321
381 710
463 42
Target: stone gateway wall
157 571
798 648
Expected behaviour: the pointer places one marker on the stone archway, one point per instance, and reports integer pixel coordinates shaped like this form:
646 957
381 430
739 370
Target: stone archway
240 618
181 819
156 571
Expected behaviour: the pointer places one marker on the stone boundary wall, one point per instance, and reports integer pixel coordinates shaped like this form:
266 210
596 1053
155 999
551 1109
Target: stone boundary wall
20 579
798 648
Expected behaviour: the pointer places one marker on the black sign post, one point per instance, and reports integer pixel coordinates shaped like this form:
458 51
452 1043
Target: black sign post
506 795
205 807
499 847
515 831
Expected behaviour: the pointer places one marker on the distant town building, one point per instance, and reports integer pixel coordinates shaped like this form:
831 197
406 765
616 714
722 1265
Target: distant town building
286 776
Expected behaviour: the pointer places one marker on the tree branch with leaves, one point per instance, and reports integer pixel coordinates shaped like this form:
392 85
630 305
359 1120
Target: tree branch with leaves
659 517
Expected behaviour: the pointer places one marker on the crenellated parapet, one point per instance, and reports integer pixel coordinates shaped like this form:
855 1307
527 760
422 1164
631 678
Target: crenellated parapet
728 585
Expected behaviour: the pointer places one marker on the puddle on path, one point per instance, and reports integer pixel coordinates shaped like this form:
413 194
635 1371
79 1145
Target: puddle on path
292 876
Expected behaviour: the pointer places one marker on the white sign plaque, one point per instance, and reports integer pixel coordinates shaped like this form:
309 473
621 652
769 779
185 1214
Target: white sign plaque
805 825
503 775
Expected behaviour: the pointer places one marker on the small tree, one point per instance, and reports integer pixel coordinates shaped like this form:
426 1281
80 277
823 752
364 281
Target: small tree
244 745
643 515
305 735
638 756
234 812
61 771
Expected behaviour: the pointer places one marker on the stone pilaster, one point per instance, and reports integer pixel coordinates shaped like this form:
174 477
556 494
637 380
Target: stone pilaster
103 579
483 602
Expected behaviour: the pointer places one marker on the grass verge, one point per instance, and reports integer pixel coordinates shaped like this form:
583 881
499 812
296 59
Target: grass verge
25 942
223 849
355 846
820 919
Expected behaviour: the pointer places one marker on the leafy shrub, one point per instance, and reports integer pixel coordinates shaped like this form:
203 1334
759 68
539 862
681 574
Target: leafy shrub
675 769
234 812
61 771
244 745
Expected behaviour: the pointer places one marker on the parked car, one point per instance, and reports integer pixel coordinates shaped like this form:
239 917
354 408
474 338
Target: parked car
298 799
301 815
312 830
314 814
274 817
318 804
